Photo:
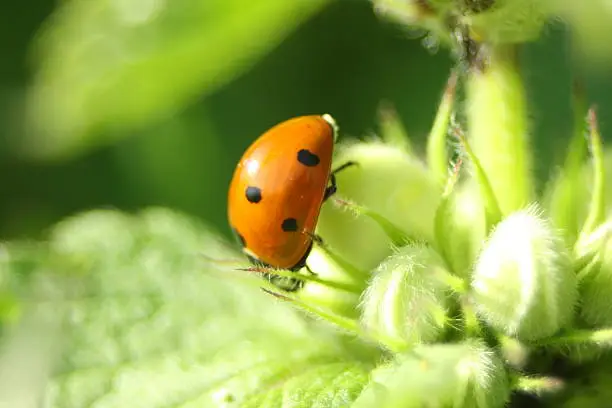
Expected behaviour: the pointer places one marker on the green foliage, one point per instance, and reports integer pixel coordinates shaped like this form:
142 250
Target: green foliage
448 282
89 56
146 323
527 289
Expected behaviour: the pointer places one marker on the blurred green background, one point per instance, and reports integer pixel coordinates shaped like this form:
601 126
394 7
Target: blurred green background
227 71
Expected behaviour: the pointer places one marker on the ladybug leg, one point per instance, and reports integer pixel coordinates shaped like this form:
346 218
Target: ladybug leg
317 238
331 190
309 270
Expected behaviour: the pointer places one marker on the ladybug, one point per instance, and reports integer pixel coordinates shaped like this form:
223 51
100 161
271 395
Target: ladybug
277 191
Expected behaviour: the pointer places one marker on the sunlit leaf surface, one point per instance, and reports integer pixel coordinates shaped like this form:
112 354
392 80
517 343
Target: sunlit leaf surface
149 324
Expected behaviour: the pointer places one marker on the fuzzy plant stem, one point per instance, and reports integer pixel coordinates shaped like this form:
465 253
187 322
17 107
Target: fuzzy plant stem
497 126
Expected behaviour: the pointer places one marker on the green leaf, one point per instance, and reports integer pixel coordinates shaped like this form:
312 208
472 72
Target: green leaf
111 65
596 214
149 324
523 283
437 154
568 197
565 193
326 386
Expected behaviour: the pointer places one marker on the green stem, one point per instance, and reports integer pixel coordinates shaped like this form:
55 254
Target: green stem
354 273
497 127
455 283
350 325
397 236
601 337
309 278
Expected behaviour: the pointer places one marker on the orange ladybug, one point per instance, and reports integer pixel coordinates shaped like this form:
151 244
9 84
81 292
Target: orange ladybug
277 191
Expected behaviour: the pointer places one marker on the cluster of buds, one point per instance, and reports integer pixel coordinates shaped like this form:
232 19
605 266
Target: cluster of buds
454 262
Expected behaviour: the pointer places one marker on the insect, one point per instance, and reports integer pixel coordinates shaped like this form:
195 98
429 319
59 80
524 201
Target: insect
277 191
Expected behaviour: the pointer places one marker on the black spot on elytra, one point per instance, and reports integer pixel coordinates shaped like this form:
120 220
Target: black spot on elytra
253 194
289 224
307 158
239 237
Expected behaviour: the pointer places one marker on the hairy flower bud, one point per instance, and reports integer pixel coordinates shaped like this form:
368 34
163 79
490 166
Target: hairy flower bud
523 282
407 300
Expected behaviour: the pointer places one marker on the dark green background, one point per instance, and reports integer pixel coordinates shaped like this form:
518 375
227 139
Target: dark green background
343 61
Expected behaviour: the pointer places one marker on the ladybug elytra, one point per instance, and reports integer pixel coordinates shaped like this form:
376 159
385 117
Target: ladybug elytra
277 191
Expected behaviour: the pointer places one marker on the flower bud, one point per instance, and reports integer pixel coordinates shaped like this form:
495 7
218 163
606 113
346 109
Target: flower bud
388 181
408 300
443 375
524 283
